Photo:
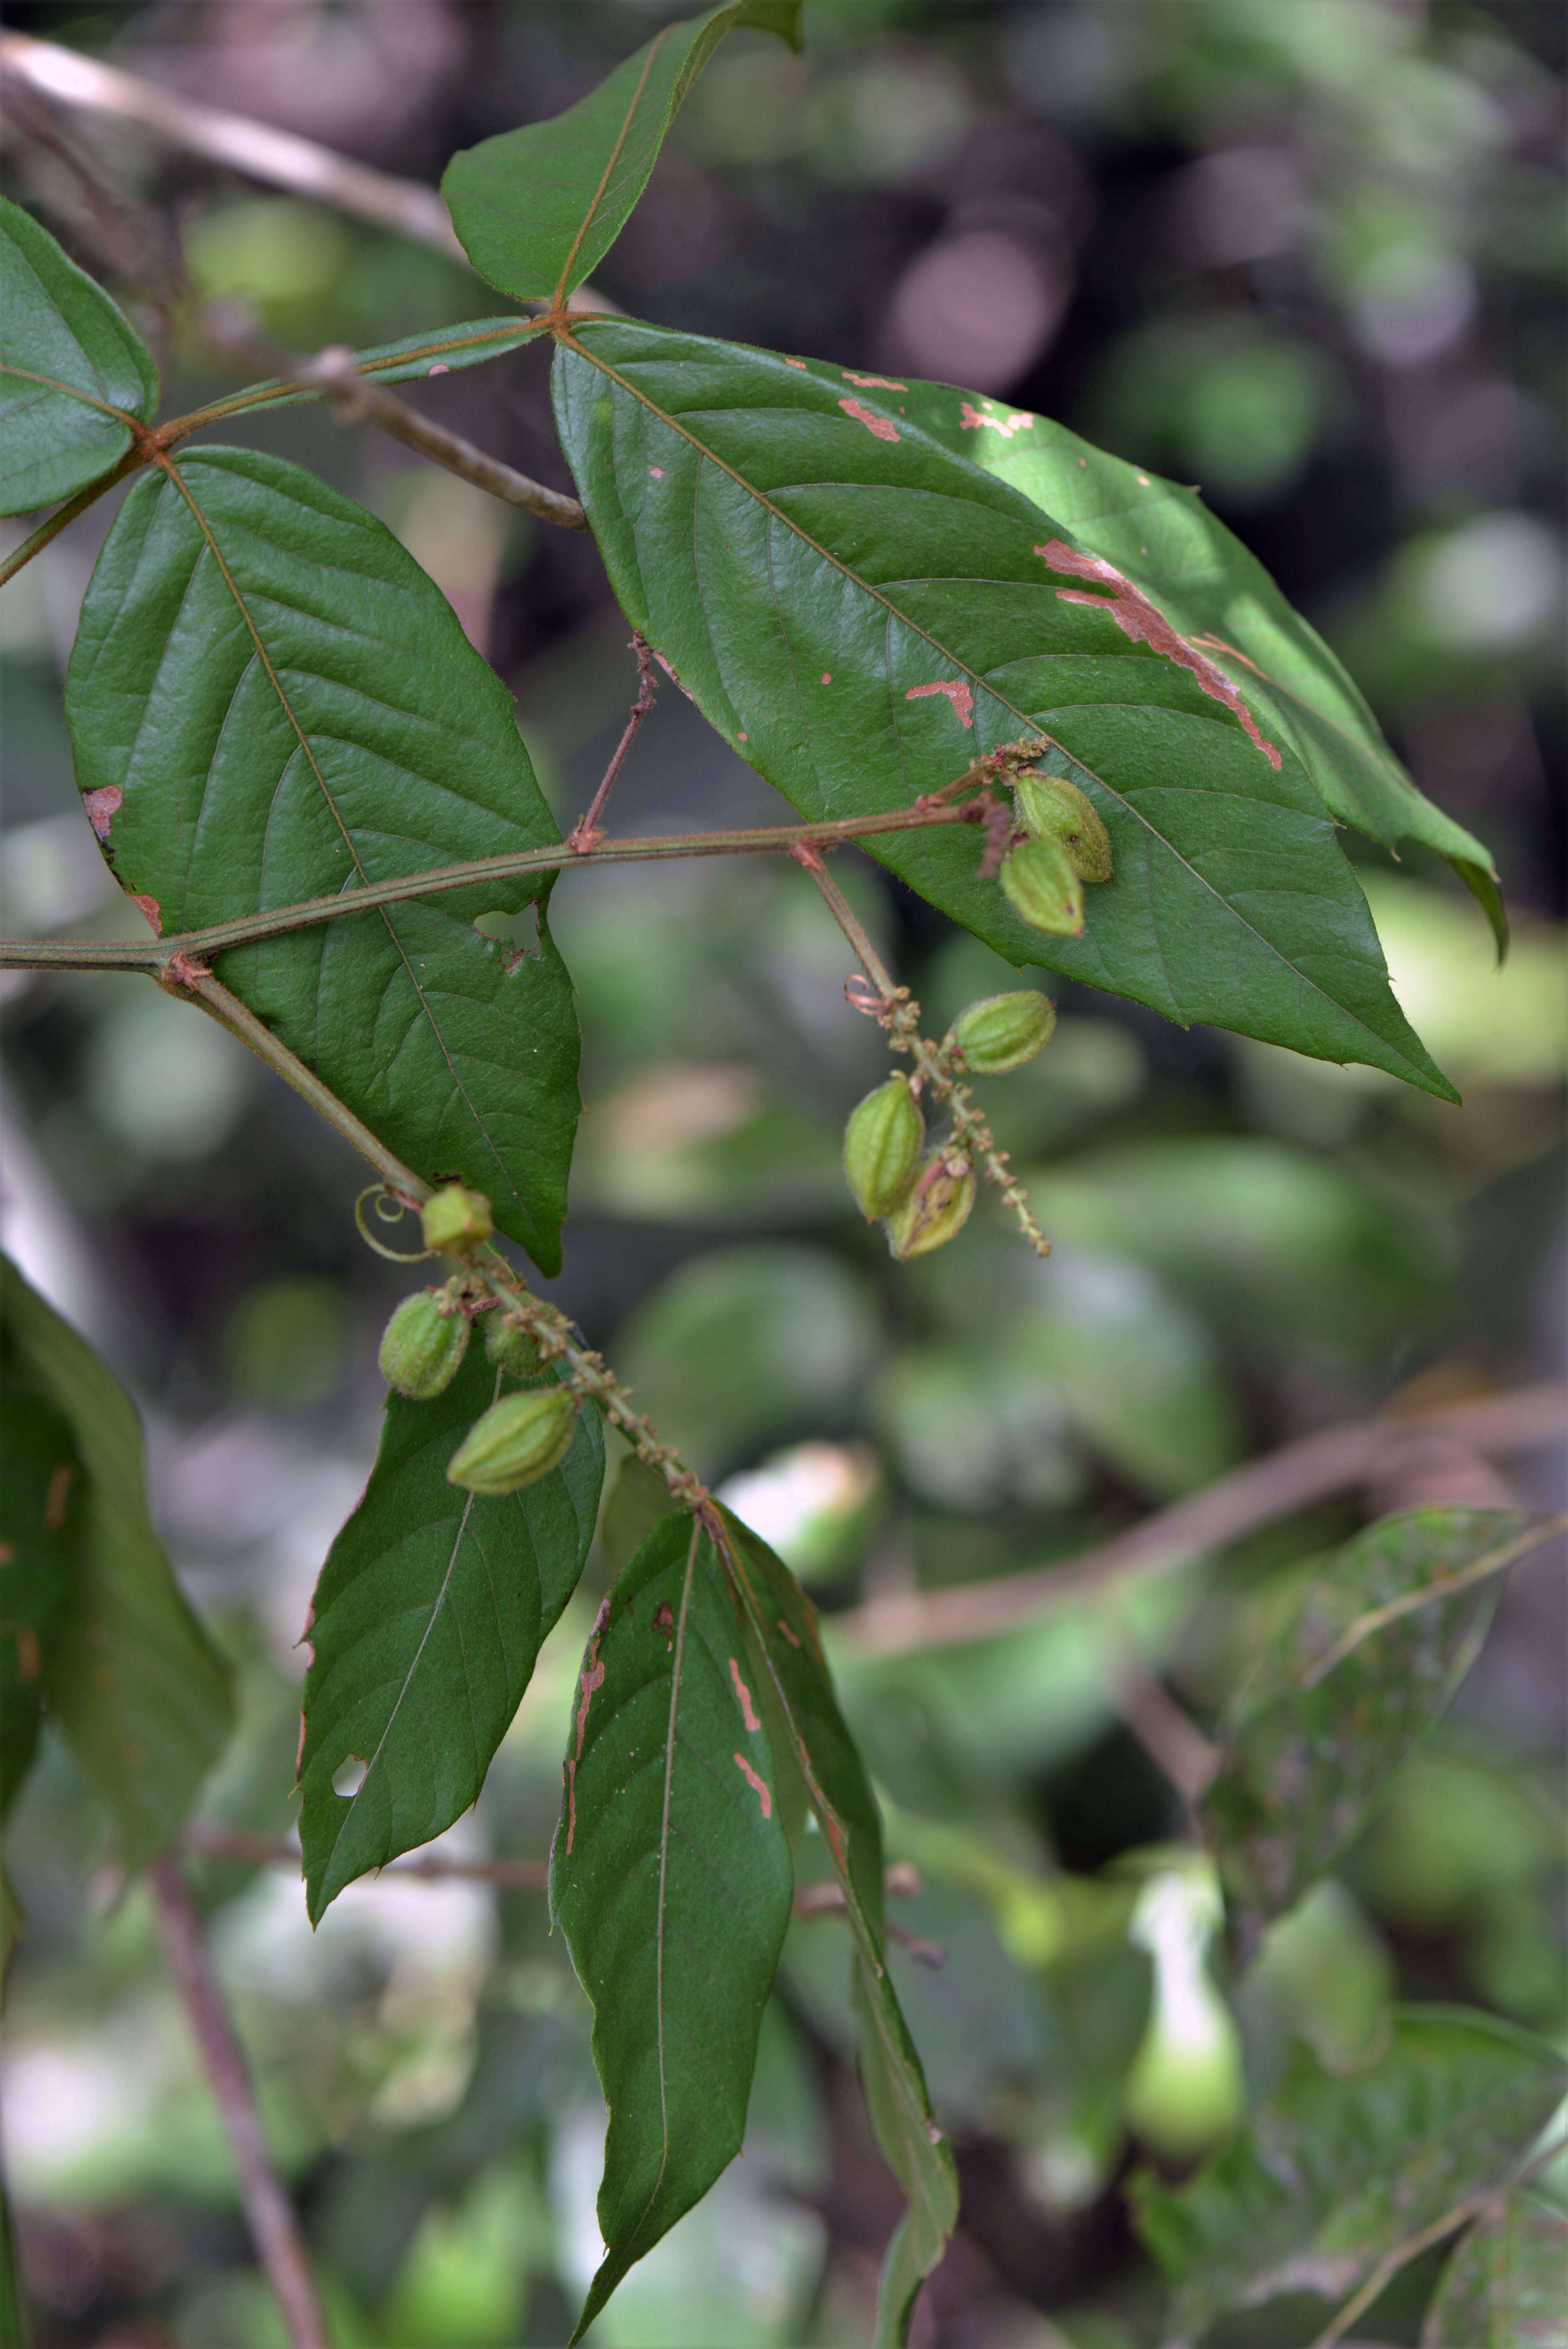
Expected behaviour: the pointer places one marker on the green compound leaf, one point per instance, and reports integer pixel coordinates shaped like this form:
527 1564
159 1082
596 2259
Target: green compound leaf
72 371
786 1646
671 1877
1503 2288
269 701
40 1497
1221 599
1334 2171
537 209
428 1616
141 1695
860 612
1369 1646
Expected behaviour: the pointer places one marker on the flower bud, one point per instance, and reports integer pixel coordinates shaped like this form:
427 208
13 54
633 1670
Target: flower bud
883 1142
519 1440
422 1347
1039 883
1051 808
935 1211
509 1347
456 1220
1002 1032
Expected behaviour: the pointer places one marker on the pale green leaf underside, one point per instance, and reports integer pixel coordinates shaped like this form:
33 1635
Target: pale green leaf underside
71 371
786 1646
140 1694
428 1619
671 1877
1308 1758
1334 2171
1506 2286
860 612
1164 539
269 701
411 359
537 209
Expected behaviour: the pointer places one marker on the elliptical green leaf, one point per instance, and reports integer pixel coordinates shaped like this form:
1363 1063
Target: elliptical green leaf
269 701
73 372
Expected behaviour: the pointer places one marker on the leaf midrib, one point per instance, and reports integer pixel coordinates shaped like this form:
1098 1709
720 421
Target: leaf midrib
567 337
175 474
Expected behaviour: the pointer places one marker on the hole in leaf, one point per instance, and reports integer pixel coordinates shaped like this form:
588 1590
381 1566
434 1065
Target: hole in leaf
515 934
349 1776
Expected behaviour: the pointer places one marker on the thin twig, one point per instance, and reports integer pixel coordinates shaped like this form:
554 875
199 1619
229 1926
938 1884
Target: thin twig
585 836
156 955
1389 2265
354 399
270 2213
1430 1594
1171 1739
21 555
1333 1460
205 1840
899 1015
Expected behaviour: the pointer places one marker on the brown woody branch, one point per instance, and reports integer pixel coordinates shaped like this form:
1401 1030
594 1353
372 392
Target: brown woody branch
204 1841
269 2212
1334 1460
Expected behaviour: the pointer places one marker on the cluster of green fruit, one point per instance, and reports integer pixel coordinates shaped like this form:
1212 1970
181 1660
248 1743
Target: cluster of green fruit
1043 875
923 1198
523 1436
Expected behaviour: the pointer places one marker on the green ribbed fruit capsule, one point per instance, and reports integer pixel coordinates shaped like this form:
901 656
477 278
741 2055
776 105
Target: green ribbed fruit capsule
883 1142
456 1220
508 1346
1050 807
519 1440
423 1347
1002 1031
1039 883
935 1211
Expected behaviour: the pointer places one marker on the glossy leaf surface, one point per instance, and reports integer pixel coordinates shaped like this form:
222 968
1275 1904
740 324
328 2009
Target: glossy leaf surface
860 611
40 1495
140 1694
786 1646
671 1877
428 1619
1163 538
72 370
1340 1698
537 209
1506 2286
269 701
1334 2170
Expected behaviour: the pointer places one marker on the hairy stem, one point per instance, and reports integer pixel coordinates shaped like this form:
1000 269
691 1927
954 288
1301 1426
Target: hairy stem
269 2211
157 954
356 400
899 1015
586 834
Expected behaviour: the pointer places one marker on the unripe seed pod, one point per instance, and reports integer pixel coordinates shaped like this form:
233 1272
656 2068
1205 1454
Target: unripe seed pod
935 1211
1002 1032
519 1440
422 1348
508 1346
1053 808
883 1142
457 1219
1039 883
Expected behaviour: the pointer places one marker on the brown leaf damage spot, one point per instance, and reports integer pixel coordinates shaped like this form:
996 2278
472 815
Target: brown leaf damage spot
743 1694
150 907
789 1635
957 691
1145 623
970 421
665 1617
29 1656
882 426
102 806
880 382
759 1786
795 363
58 1493
592 1678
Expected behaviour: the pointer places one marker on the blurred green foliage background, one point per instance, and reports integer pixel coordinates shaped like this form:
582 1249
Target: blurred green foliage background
1307 254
